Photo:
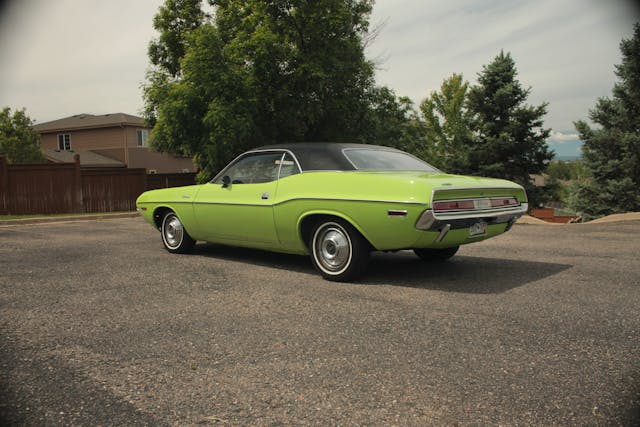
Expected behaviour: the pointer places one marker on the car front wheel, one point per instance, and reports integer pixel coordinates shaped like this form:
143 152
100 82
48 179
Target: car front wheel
174 235
338 250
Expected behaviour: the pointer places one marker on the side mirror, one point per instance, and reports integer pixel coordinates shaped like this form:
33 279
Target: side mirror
226 181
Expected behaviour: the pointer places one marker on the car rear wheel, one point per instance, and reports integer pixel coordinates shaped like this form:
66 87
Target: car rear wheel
338 250
175 236
439 254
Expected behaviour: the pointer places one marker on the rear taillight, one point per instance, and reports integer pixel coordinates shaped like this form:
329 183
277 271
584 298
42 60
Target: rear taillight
474 204
503 202
457 205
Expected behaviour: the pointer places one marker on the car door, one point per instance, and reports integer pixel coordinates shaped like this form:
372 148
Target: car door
238 205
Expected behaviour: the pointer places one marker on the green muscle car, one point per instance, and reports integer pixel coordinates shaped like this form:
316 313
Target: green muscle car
337 203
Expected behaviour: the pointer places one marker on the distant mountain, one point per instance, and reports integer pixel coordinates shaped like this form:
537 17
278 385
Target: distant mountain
567 158
566 149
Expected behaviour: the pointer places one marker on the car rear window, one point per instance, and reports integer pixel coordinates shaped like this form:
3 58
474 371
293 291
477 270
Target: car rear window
321 158
371 159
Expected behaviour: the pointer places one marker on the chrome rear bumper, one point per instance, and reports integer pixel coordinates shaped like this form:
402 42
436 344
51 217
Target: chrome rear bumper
430 221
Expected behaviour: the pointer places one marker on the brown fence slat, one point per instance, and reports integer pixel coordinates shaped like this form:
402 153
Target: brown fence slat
4 186
168 180
46 189
112 190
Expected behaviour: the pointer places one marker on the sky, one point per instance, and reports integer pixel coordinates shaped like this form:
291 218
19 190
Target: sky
64 57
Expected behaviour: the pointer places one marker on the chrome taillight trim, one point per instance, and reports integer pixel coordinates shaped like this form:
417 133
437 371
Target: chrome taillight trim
480 203
485 213
449 189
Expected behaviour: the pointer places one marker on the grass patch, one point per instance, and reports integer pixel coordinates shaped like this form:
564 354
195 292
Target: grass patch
563 212
9 217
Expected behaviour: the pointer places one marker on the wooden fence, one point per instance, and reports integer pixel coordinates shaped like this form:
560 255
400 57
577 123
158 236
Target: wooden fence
167 180
56 188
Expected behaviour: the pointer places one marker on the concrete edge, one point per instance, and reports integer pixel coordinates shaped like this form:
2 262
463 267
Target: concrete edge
624 217
70 218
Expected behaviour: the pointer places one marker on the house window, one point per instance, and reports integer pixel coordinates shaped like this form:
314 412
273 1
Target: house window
64 142
143 136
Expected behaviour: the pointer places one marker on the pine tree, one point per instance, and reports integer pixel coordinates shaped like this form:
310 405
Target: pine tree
509 139
611 153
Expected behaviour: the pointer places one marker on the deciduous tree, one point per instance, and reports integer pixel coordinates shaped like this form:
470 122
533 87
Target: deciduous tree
447 126
175 20
18 142
392 121
261 72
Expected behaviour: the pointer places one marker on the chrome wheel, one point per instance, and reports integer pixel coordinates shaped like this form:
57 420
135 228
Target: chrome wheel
332 248
174 235
173 231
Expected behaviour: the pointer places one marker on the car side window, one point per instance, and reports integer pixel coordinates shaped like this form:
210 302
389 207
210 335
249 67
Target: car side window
254 168
288 166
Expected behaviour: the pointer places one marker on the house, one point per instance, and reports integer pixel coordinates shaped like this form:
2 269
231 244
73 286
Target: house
108 140
539 180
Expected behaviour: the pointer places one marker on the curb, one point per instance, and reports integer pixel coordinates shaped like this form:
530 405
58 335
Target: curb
71 218
624 217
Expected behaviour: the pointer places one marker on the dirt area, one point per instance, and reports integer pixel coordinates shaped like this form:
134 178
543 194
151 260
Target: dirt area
629 216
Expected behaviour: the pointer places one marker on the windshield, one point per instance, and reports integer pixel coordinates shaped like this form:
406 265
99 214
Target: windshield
384 160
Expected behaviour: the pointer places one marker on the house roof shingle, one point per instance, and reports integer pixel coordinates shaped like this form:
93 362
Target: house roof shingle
89 121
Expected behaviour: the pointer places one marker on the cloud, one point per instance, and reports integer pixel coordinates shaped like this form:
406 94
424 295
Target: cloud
566 145
562 138
73 56
63 57
565 51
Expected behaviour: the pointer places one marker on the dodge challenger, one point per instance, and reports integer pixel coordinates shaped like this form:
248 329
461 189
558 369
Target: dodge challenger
337 203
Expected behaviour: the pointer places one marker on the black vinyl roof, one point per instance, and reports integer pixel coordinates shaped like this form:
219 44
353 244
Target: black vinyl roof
322 155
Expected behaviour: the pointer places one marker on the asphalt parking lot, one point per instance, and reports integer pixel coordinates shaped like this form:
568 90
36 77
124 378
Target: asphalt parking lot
99 325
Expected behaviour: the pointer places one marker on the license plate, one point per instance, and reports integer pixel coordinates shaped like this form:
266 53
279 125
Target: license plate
478 229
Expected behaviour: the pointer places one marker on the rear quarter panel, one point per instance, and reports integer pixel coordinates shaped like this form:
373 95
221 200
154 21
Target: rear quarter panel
361 198
364 199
